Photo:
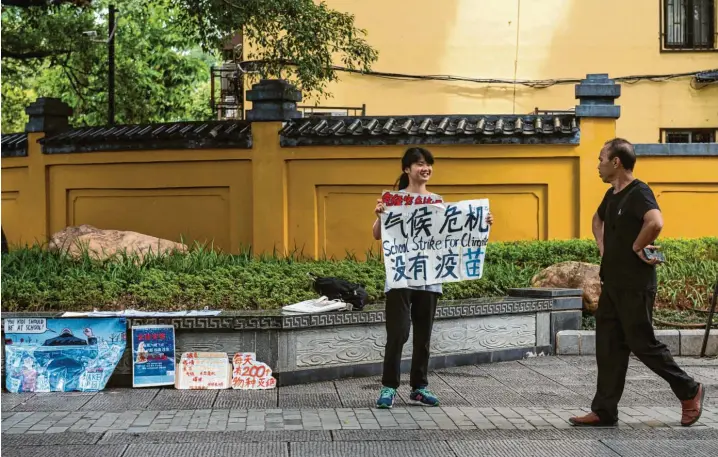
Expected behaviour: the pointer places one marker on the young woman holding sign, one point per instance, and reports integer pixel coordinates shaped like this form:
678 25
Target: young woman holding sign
411 304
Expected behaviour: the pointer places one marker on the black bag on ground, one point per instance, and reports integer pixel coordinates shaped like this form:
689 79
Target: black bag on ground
340 289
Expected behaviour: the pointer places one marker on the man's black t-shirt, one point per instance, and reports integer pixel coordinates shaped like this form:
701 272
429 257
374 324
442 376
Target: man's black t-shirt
620 266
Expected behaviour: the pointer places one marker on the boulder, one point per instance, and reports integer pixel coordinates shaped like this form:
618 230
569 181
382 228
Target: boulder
103 244
573 275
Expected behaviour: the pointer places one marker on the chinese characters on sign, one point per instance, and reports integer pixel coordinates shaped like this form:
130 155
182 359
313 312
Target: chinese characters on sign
203 370
153 355
251 375
434 243
390 198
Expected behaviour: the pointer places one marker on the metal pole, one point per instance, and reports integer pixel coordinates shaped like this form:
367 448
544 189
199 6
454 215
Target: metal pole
111 76
709 324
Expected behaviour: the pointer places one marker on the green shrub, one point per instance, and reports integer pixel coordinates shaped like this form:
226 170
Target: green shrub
34 279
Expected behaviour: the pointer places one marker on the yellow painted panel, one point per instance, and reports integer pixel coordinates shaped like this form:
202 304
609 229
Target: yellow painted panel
14 182
201 200
158 212
331 201
344 224
689 210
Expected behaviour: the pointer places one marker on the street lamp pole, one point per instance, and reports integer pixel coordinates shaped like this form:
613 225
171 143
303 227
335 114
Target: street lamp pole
111 77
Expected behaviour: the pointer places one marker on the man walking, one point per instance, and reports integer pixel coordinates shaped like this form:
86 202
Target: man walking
627 221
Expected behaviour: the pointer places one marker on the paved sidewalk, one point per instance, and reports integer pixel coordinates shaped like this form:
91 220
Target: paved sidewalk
505 409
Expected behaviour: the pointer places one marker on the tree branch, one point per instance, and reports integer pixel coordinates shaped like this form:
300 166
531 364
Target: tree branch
31 3
34 54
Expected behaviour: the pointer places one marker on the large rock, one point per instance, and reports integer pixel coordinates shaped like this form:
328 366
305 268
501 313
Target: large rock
103 244
573 275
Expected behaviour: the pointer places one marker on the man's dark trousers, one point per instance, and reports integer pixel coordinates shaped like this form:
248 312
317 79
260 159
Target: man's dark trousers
624 325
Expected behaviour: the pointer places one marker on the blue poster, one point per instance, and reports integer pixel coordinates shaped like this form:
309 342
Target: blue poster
153 355
62 355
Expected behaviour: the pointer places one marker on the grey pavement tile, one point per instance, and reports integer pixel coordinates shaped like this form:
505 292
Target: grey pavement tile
661 397
362 392
10 401
553 398
310 388
246 399
696 361
663 448
56 401
693 434
467 377
207 449
209 437
121 400
63 451
530 448
50 439
309 400
371 449
445 392
172 399
494 396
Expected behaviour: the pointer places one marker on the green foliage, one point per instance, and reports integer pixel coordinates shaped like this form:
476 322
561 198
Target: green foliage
34 279
298 40
164 51
161 75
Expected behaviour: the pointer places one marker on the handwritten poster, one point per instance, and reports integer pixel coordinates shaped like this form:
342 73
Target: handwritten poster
249 374
153 355
204 370
434 243
62 355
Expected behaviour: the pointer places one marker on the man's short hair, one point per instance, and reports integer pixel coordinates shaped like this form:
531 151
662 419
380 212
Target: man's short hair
623 149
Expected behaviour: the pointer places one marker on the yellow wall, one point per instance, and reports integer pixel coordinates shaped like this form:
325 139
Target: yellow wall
524 39
319 200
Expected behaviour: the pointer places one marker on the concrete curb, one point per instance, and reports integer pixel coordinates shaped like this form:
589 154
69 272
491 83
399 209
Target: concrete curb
679 342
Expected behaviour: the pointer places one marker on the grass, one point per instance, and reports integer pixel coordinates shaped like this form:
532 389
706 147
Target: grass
34 279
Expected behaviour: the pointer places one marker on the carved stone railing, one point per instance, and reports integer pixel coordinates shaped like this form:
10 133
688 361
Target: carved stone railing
317 347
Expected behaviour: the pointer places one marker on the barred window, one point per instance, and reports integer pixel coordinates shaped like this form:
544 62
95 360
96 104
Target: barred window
689 24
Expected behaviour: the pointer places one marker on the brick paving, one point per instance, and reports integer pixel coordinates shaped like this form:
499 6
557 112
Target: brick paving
498 409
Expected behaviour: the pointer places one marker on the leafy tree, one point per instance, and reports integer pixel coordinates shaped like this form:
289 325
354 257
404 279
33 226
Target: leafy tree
164 49
161 75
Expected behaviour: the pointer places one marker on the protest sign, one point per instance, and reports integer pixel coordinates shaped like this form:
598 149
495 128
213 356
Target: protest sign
203 370
434 243
153 355
62 355
249 374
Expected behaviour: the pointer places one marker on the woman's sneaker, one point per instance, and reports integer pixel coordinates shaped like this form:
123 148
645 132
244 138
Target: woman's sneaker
386 398
424 396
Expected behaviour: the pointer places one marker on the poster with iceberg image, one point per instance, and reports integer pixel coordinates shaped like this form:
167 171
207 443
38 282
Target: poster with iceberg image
62 355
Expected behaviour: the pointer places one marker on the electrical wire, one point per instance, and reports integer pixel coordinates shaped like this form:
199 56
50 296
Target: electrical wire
533 83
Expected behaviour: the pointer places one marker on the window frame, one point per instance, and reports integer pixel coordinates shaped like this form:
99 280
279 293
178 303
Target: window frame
664 131
663 35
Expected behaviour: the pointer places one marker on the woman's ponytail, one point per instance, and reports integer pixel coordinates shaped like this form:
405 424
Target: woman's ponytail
403 182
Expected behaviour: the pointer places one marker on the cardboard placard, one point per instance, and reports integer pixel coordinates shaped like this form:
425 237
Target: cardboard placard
153 355
203 370
249 374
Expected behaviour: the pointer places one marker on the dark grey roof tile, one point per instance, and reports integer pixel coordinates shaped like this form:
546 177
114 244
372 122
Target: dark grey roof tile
176 135
463 129
14 145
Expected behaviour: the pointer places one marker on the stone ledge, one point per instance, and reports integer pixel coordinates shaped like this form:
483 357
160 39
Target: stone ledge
274 320
335 345
679 342
678 149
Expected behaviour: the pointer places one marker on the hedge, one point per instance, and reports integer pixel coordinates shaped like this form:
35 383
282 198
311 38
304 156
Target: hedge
34 279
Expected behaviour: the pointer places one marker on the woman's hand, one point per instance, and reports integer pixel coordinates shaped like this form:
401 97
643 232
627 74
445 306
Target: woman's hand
489 218
380 208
